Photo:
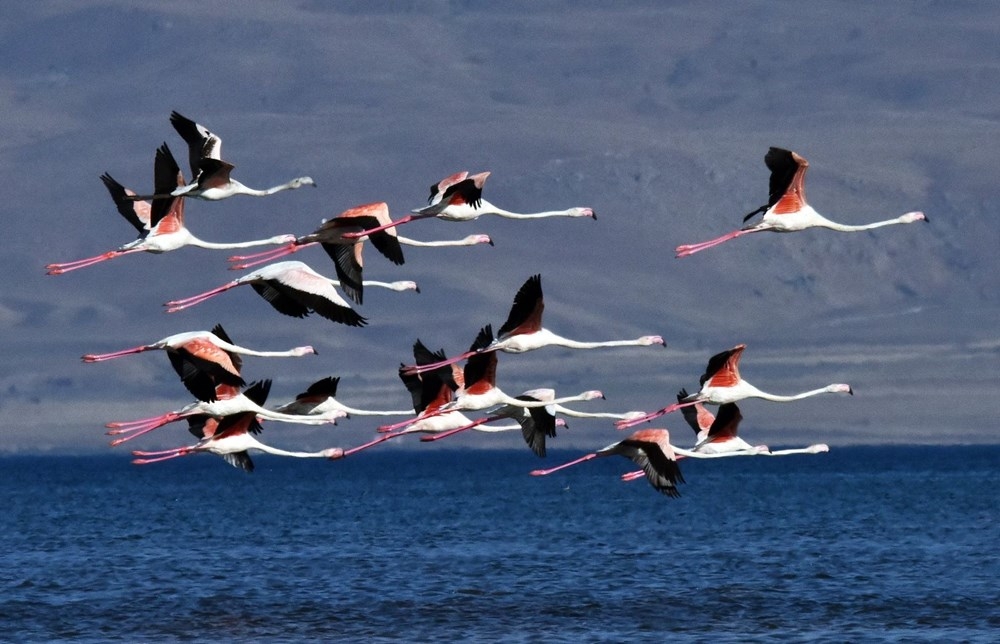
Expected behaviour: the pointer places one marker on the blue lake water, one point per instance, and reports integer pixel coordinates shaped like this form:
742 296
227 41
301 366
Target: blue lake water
861 544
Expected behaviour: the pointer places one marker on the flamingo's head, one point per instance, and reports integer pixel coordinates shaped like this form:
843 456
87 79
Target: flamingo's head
648 340
911 217
404 286
840 389
333 453
819 448
473 240
301 181
298 352
582 212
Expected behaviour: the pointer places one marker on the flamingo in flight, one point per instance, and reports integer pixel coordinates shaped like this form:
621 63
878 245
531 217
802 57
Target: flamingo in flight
459 197
430 392
650 449
292 288
786 210
479 377
229 400
536 423
347 253
160 225
718 435
319 399
211 174
721 383
523 330
231 437
202 358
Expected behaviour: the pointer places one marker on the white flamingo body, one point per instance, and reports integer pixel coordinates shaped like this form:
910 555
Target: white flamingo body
524 342
469 212
161 227
787 209
523 331
230 445
722 384
196 342
230 437
650 449
536 423
319 400
211 174
459 198
719 436
203 359
224 405
292 288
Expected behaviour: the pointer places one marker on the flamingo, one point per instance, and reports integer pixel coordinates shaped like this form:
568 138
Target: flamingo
229 401
292 288
160 225
347 253
459 198
211 174
720 435
230 437
481 391
319 399
202 358
786 210
721 383
430 392
536 423
523 330
650 449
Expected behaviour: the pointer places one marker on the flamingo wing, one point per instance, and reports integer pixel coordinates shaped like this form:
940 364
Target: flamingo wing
481 368
783 166
201 366
213 173
135 213
723 368
298 292
526 312
439 188
537 425
201 143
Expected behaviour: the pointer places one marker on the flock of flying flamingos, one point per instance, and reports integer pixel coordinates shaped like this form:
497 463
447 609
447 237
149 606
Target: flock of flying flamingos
227 413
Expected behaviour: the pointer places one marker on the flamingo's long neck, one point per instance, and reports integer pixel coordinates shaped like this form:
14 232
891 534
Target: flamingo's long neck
434 244
757 393
332 404
560 341
572 413
281 452
823 222
200 243
812 449
486 208
292 418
